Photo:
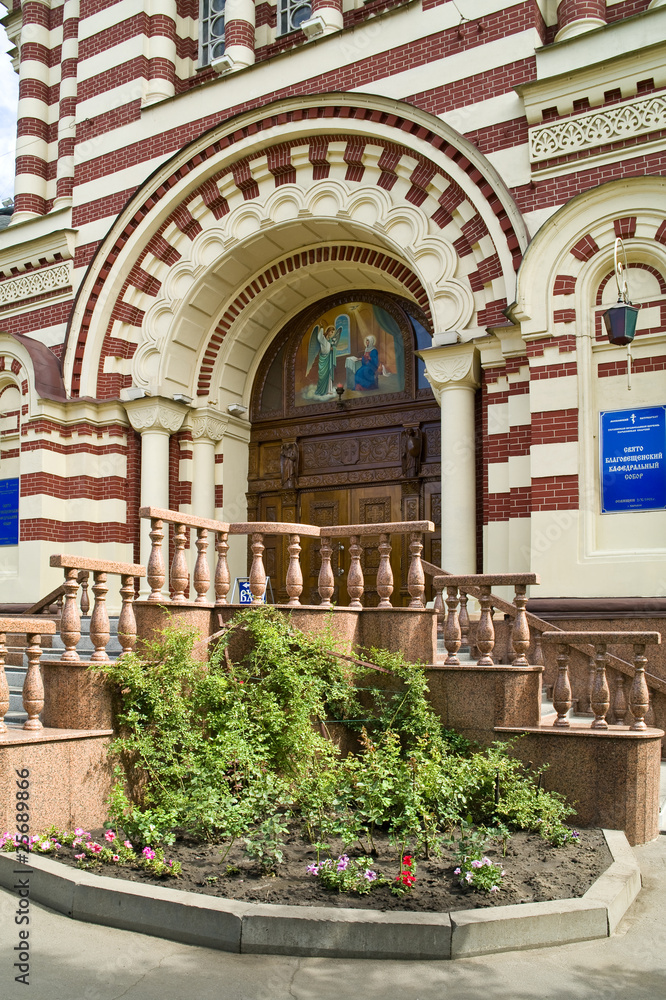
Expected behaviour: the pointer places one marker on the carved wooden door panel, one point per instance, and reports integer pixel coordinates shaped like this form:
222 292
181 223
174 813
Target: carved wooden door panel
376 505
275 558
322 509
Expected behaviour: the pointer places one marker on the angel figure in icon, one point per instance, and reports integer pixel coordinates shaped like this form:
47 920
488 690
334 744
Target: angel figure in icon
323 344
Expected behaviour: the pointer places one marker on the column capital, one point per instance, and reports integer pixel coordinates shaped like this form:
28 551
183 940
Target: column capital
154 413
208 424
452 366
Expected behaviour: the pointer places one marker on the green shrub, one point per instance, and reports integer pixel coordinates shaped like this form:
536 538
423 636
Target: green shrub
220 748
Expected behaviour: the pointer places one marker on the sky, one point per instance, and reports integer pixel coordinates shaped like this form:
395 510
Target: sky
8 106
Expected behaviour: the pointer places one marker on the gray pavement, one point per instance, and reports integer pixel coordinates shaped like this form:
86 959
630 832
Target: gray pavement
76 961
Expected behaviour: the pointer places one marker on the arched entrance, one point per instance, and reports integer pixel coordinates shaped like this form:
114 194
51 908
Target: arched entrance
253 224
345 430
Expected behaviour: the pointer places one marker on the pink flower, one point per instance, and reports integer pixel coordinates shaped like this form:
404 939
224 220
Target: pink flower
79 831
96 848
128 845
477 864
116 857
148 853
456 871
79 857
76 842
110 836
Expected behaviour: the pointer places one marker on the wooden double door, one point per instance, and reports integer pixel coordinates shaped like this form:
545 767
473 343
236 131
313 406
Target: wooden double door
349 505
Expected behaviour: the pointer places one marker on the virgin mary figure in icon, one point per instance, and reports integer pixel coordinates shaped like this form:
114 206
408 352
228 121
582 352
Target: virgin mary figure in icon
323 344
366 373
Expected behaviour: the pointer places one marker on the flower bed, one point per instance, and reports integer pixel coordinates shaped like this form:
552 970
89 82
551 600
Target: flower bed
535 871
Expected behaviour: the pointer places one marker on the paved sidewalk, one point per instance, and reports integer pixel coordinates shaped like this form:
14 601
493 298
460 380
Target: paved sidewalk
77 961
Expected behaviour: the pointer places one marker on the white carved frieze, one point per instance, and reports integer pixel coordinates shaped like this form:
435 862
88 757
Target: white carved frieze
47 279
597 128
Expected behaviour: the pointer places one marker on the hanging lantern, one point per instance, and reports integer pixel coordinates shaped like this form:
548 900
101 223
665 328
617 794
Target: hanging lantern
620 319
620 323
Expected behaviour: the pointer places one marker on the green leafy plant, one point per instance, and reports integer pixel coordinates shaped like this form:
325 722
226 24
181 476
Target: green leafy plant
265 844
227 749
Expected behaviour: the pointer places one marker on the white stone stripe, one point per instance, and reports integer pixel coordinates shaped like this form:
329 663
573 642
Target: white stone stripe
329 55
76 509
559 459
74 465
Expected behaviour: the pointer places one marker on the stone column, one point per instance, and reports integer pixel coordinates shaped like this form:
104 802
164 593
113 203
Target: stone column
326 18
155 419
454 374
67 107
239 30
234 468
207 429
33 112
574 17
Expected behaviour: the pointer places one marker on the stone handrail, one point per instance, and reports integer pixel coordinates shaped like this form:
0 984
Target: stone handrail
638 702
33 687
70 621
55 597
538 626
256 531
482 583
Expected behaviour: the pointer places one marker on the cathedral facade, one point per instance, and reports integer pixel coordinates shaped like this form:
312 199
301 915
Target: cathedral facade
339 262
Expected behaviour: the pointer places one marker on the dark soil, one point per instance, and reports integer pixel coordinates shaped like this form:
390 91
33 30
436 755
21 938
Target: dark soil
535 871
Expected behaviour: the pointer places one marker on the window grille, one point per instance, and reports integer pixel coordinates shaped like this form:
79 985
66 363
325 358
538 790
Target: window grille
291 14
211 31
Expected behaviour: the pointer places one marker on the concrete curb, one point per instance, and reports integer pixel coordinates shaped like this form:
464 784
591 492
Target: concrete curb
317 931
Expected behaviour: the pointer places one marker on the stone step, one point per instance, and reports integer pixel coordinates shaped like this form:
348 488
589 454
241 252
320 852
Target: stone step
16 668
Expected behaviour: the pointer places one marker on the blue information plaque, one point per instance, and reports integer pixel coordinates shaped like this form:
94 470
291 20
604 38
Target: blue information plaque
9 511
633 466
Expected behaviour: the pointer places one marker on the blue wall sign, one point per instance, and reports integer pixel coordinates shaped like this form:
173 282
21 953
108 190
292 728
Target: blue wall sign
633 465
9 511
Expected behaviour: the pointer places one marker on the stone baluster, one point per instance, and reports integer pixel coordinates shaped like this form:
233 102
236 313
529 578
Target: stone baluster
70 620
33 686
155 570
294 581
100 631
257 570
620 705
179 572
85 599
463 618
591 670
326 584
440 607
201 567
485 630
562 687
4 686
384 572
600 691
355 581
520 634
452 627
416 576
639 695
127 619
222 575
538 650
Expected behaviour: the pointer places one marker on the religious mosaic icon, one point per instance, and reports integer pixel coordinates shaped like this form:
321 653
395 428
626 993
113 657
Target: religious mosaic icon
357 345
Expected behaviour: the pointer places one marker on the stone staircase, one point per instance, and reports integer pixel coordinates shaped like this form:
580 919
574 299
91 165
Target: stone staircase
17 663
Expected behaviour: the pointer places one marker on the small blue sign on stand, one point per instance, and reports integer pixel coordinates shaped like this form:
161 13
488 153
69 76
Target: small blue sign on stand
633 459
244 592
9 511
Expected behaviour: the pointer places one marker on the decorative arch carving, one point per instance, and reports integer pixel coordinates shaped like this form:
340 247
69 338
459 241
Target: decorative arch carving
415 188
